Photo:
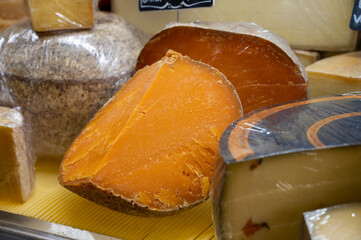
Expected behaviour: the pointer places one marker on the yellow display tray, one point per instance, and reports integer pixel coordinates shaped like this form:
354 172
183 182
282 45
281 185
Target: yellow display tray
51 202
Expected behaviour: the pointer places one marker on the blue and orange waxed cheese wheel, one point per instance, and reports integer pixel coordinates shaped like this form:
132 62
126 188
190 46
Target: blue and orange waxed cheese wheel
281 161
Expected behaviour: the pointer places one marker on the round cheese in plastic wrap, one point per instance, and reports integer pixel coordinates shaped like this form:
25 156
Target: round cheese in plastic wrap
61 79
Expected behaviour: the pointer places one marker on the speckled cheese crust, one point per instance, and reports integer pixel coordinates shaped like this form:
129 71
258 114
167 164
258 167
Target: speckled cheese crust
61 79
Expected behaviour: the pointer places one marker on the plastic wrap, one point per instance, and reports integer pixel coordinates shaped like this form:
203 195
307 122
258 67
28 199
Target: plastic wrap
156 155
307 24
282 161
333 223
53 15
61 79
261 65
17 157
11 11
335 75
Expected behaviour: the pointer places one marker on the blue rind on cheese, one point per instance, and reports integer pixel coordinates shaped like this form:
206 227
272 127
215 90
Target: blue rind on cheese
303 127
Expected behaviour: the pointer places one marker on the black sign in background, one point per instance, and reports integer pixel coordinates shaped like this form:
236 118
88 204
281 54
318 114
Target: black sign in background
355 22
153 5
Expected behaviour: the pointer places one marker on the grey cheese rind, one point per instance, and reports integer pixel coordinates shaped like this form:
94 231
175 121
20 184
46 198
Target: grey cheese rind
61 79
17 158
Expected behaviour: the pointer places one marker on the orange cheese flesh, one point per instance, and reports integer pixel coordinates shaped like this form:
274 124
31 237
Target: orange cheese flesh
262 73
155 143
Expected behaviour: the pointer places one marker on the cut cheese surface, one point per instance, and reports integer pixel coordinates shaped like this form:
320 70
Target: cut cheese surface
306 24
61 15
260 65
334 223
307 57
335 75
17 159
282 161
151 149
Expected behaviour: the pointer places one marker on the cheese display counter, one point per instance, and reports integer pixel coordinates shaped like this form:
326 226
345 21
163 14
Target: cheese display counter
197 123
51 202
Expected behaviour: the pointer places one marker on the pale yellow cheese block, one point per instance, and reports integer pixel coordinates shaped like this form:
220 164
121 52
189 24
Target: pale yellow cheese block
282 161
307 57
17 160
334 223
150 22
53 15
283 189
306 24
335 75
12 9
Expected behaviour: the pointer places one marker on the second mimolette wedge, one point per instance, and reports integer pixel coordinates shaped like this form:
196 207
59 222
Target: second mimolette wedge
151 150
260 65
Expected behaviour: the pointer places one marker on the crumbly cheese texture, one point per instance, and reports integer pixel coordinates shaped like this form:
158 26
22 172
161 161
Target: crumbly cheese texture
155 143
334 223
306 24
335 75
17 172
53 15
267 202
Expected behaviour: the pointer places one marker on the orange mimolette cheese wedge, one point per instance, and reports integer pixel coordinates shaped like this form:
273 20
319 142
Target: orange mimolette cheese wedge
151 150
260 64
